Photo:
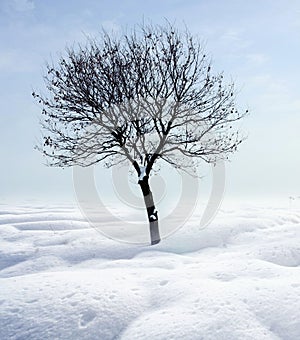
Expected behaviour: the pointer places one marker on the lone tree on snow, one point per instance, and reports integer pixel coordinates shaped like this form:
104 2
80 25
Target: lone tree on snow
144 97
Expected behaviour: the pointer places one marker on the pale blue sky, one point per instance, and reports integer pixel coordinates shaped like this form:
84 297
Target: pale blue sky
256 43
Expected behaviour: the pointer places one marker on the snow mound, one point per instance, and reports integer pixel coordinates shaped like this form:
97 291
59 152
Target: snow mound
238 278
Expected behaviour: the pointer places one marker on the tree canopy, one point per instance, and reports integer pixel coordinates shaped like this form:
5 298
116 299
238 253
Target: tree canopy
142 96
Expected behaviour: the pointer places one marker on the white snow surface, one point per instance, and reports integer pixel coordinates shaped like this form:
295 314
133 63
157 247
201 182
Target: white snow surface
239 278
142 172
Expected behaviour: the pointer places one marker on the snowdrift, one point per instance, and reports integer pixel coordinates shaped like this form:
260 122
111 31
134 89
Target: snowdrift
239 278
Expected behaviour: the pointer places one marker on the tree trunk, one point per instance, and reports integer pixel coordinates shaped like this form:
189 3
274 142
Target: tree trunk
151 210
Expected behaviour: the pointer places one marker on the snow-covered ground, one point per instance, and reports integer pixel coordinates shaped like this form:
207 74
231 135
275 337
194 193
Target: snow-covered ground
239 278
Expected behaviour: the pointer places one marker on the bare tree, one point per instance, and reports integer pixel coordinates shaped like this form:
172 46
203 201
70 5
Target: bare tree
142 97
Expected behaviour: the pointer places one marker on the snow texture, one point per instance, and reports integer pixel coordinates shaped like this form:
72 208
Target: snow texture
142 172
239 278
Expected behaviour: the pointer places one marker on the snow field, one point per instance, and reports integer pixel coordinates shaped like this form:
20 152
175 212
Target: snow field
239 278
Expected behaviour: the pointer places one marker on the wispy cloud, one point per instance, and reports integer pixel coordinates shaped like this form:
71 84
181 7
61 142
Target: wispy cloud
274 94
111 26
257 58
14 61
22 5
231 35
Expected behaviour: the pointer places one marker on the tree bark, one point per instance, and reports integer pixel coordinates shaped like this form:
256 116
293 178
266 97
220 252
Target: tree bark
151 210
